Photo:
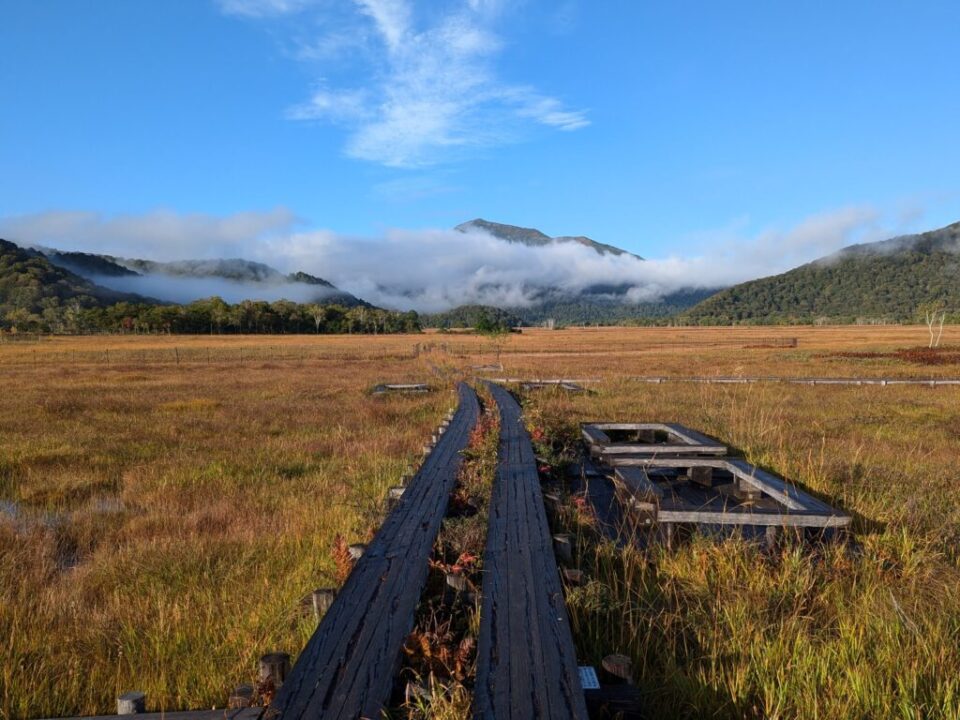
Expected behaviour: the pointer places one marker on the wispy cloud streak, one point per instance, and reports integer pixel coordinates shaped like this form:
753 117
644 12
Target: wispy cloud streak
425 88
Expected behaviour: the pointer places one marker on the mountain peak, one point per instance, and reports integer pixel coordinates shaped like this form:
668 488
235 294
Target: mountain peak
535 238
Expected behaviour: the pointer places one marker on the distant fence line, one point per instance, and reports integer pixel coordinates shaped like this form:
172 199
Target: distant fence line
932 382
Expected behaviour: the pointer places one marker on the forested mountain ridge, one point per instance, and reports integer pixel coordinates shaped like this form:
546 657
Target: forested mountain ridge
34 290
882 281
38 296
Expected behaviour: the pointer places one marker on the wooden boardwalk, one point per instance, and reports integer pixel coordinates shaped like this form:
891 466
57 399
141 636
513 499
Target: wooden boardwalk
347 669
526 660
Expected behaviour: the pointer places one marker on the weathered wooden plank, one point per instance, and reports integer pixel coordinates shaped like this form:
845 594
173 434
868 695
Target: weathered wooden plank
347 669
594 435
638 484
253 713
526 660
737 516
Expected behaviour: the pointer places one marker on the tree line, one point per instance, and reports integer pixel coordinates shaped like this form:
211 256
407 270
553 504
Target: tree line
212 315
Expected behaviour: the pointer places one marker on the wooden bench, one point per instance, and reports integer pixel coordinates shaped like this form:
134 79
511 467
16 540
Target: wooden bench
347 668
526 660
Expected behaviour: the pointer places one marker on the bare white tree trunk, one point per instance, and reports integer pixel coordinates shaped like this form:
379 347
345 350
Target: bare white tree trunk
935 320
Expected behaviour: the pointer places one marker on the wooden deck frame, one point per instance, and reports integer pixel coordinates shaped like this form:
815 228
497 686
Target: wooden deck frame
767 500
681 440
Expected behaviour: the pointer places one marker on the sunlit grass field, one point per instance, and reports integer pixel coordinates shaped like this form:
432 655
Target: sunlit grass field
165 502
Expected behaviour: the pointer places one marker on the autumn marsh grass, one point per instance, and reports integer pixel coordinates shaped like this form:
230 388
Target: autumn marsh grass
867 628
160 521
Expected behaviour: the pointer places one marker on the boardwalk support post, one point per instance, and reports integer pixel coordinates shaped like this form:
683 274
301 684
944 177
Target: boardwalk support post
274 667
131 703
241 697
322 599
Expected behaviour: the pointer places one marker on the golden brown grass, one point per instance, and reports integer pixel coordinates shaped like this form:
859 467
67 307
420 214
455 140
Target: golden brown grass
168 518
166 521
721 629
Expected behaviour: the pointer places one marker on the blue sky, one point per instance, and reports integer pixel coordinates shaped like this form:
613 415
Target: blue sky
665 128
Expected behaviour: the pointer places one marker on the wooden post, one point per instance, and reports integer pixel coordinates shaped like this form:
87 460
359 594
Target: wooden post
274 667
393 496
617 669
241 697
131 703
322 600
702 476
665 533
573 577
356 550
458 582
647 437
771 537
563 547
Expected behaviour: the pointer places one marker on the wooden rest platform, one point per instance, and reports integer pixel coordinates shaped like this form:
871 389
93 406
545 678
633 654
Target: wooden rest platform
526 660
347 669
660 439
717 491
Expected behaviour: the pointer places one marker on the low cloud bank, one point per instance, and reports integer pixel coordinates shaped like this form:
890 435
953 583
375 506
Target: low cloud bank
428 270
188 289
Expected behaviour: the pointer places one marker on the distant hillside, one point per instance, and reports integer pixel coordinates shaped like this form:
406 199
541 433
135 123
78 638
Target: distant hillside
533 237
33 288
568 310
606 309
87 265
133 274
469 316
883 280
37 295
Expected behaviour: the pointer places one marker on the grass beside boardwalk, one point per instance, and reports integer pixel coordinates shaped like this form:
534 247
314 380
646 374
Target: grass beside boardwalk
160 523
723 629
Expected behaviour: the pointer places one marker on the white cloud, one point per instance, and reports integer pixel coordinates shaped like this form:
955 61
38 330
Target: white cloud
262 8
392 18
429 91
437 269
157 235
775 250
